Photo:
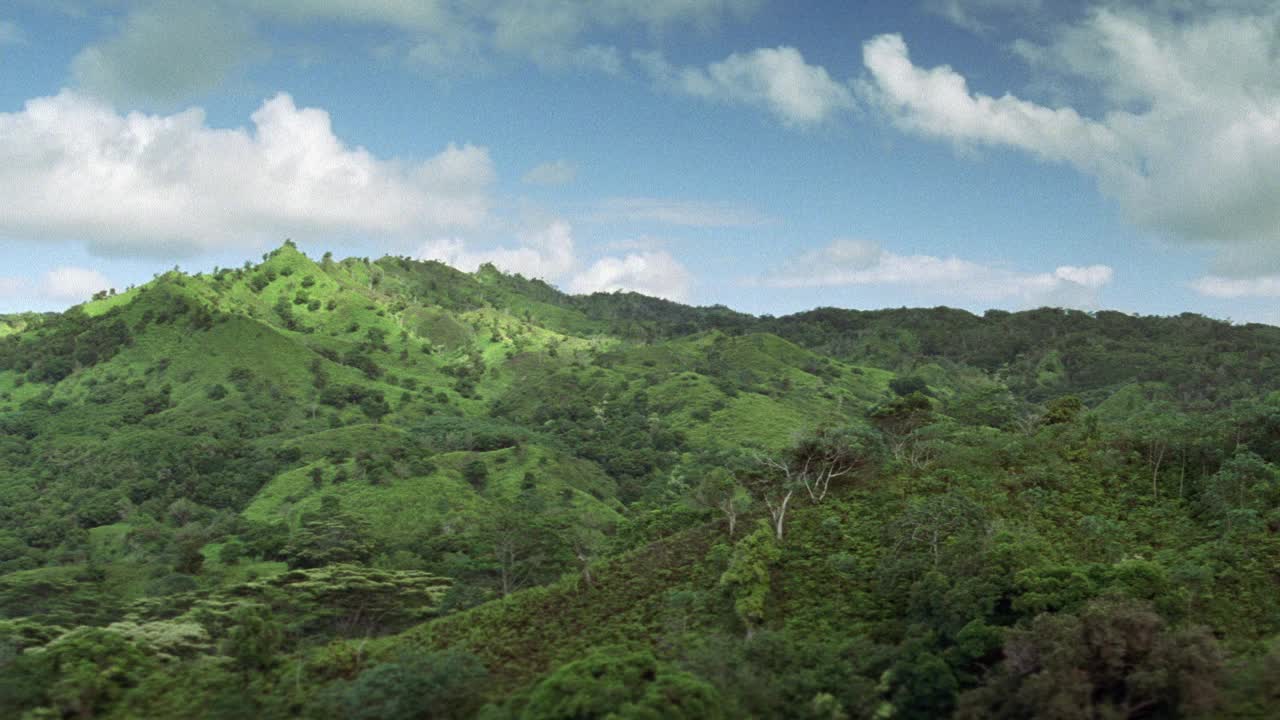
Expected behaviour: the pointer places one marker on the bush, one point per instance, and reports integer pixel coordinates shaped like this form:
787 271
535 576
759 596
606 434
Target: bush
619 683
443 685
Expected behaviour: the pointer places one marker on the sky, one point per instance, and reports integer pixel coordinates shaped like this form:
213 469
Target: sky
766 155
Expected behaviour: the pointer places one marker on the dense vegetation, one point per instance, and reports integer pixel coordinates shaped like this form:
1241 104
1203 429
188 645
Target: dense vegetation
393 490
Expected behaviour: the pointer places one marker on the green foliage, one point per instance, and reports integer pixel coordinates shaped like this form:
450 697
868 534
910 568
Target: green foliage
1115 658
747 577
254 638
476 473
441 685
82 673
1039 513
621 683
337 538
904 386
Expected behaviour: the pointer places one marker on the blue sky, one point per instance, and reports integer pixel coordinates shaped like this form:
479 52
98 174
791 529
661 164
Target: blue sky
766 155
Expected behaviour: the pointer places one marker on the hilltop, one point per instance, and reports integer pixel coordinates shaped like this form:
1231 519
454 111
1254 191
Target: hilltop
388 488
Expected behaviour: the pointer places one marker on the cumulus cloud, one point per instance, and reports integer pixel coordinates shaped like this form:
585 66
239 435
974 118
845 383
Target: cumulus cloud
776 79
71 168
166 52
863 262
1189 143
547 254
61 286
650 273
557 172
686 213
938 102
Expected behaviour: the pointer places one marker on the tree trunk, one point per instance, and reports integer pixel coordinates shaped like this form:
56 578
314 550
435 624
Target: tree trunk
782 513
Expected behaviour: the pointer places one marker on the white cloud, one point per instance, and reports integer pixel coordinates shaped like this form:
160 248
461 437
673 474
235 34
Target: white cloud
547 253
61 286
657 274
777 79
938 102
73 169
557 172
1266 286
863 262
1190 144
166 52
1093 276
72 284
686 213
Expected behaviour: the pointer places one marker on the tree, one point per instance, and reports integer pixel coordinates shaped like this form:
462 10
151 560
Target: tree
585 533
775 490
188 543
336 538
1157 431
254 638
231 552
747 577
719 490
348 599
812 462
900 418
446 685
903 386
524 546
1062 410
991 405
85 671
625 684
476 473
1115 659
1243 490
934 521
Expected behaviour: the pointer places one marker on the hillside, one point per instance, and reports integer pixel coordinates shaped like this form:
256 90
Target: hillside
354 488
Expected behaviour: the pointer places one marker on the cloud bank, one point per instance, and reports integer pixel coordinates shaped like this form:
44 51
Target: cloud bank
73 169
550 254
173 50
1189 142
844 263
167 53
62 285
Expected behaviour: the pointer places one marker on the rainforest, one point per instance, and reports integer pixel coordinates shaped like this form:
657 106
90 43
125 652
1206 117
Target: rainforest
349 488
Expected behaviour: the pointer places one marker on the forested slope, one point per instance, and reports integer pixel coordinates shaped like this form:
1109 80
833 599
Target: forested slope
320 488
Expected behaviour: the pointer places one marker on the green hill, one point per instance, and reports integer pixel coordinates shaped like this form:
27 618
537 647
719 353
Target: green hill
354 488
